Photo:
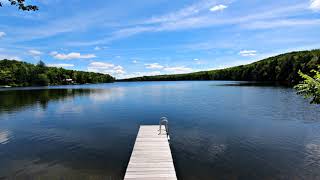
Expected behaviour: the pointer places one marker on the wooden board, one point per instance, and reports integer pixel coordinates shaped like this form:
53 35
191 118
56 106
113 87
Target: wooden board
151 157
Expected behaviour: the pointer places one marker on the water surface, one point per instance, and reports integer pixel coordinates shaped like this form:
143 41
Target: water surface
217 131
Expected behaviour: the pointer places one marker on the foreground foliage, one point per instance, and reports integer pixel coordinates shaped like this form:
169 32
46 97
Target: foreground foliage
310 87
16 73
21 4
283 68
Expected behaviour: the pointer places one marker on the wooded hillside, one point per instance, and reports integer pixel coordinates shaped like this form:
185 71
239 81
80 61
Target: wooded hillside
16 73
282 68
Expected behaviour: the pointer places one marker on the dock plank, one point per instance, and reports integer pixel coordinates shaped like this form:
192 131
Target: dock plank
151 156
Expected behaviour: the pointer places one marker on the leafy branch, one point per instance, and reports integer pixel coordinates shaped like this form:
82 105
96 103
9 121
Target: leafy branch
310 87
22 5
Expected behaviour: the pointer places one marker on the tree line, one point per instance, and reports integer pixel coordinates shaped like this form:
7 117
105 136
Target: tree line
283 68
16 73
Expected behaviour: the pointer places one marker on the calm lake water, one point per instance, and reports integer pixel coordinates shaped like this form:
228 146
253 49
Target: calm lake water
218 131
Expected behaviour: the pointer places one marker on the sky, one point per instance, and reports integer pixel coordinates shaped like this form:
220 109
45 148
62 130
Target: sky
150 37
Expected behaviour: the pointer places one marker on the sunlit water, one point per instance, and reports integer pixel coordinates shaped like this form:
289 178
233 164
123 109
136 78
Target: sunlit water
217 131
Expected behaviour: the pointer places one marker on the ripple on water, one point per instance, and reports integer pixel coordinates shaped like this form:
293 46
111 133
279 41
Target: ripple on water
4 136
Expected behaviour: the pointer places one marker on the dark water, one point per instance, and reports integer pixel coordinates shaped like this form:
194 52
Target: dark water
217 132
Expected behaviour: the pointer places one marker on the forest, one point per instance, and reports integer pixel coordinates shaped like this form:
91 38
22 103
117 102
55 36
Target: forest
282 68
16 73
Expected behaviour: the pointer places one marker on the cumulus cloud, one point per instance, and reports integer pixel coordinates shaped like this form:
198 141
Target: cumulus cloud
135 62
248 53
315 5
34 52
154 66
72 55
60 65
168 69
106 68
178 69
219 7
8 56
2 34
139 74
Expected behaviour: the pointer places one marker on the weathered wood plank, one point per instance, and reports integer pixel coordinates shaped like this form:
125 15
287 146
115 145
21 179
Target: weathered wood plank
151 156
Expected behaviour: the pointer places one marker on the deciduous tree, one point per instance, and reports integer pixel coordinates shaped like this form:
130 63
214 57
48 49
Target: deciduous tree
21 4
310 87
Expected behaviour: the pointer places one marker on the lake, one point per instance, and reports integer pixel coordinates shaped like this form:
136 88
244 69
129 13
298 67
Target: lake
219 130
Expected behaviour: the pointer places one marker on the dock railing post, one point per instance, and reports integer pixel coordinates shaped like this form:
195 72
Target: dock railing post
164 121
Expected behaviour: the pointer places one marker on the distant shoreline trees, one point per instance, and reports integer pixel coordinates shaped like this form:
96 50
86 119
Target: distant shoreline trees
282 69
15 73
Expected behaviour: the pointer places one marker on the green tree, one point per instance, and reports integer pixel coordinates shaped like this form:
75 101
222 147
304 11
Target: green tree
41 80
5 77
310 87
21 4
41 64
17 73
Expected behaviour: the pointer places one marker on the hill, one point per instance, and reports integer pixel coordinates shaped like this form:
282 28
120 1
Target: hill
282 68
17 73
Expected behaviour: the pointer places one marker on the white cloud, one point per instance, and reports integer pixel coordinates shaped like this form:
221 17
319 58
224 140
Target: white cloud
268 24
154 66
197 16
169 69
248 53
178 69
97 48
12 57
135 62
72 55
33 52
219 7
139 74
101 65
315 5
231 64
60 65
183 13
118 70
106 68
202 20
197 61
52 53
2 34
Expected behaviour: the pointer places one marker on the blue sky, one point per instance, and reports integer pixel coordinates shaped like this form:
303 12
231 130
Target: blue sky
147 37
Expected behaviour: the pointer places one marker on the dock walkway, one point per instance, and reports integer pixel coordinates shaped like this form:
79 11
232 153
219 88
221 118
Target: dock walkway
151 157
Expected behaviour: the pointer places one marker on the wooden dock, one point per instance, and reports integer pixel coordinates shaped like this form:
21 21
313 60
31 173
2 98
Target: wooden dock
151 157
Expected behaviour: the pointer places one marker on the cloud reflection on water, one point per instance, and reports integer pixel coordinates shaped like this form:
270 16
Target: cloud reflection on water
101 95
